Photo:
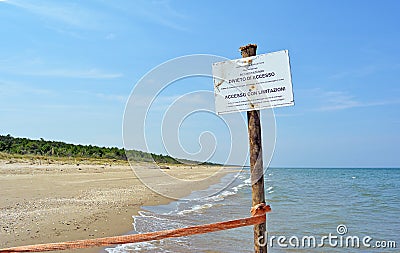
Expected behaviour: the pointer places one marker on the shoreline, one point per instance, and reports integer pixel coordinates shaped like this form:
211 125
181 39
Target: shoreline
55 202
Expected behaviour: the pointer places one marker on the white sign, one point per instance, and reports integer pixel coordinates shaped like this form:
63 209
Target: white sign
253 83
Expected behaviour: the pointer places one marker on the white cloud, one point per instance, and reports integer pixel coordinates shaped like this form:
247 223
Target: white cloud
102 95
286 115
158 12
355 104
36 66
112 97
357 72
88 73
110 36
66 13
11 88
340 100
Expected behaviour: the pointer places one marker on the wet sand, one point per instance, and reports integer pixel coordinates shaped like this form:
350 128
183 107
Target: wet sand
57 201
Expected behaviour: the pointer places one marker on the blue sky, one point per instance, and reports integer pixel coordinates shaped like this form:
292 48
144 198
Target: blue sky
67 69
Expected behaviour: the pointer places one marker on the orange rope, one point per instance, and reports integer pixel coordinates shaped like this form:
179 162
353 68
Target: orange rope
106 241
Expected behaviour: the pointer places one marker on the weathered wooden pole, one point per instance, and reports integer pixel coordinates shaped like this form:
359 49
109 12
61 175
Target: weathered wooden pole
256 162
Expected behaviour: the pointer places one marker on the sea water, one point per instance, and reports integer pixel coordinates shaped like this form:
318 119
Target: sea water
313 210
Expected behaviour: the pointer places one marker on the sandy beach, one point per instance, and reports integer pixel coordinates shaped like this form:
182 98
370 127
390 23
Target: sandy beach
54 201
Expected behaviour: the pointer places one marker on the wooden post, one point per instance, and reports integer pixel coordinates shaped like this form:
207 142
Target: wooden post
256 162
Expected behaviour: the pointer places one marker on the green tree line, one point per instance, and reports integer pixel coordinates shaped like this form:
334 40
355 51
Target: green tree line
25 146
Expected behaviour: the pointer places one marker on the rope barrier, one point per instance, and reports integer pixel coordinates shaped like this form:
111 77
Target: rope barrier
259 218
